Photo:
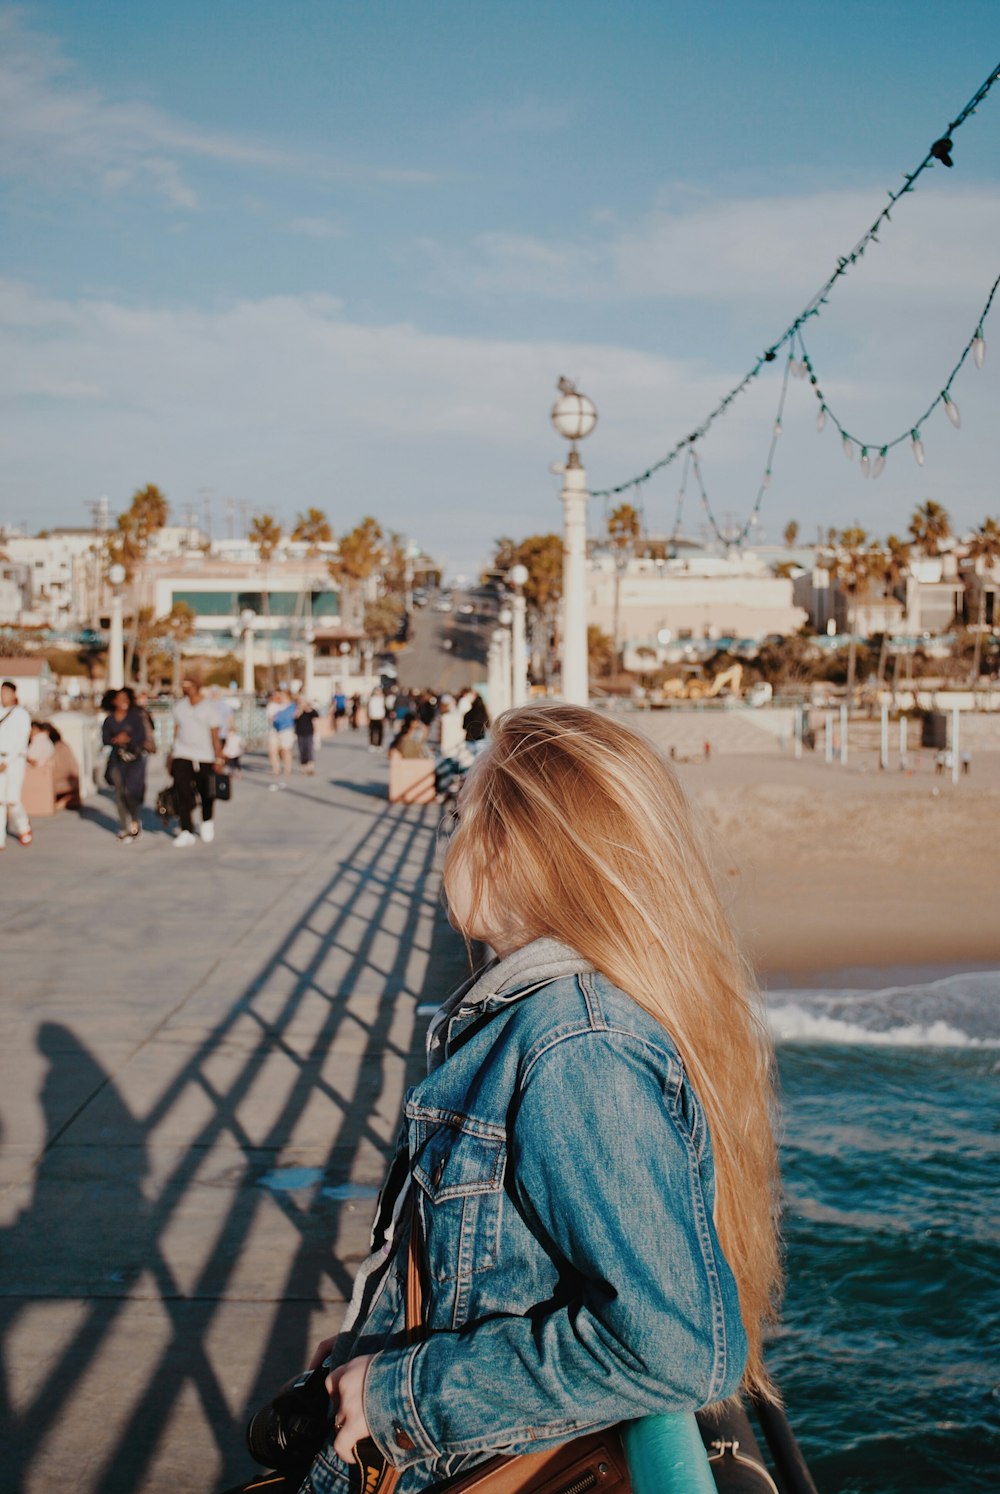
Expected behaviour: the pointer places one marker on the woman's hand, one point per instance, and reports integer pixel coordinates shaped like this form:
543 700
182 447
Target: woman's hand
320 1352
346 1386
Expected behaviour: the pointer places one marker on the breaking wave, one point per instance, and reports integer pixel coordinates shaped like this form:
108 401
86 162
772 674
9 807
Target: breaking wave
959 1011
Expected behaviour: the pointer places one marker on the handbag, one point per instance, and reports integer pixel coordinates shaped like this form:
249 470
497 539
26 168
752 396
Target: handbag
594 1461
223 787
166 803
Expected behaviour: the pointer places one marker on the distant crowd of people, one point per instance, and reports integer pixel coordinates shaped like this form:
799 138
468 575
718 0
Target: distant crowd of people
207 747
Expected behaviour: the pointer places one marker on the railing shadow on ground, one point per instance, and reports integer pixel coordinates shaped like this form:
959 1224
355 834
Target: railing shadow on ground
298 1007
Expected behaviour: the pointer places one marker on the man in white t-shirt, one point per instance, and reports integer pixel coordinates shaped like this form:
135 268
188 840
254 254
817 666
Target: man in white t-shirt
195 758
15 730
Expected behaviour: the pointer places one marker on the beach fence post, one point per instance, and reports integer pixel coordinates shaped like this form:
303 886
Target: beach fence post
829 737
843 736
798 731
883 749
903 723
955 765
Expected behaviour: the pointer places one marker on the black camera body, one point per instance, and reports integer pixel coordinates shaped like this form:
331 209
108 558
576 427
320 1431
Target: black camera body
287 1434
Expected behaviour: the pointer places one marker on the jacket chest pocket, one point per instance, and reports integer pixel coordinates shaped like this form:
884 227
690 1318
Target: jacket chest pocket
458 1176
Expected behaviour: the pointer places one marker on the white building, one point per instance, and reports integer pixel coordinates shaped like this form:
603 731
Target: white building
284 596
655 604
59 574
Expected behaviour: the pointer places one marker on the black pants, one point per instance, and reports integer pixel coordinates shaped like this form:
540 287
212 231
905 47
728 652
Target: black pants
375 732
189 777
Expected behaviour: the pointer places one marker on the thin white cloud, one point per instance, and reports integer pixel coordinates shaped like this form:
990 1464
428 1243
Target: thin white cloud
284 401
775 250
56 126
317 228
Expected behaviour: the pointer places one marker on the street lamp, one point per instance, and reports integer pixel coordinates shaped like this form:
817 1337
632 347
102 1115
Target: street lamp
116 641
309 666
574 417
505 619
247 619
519 663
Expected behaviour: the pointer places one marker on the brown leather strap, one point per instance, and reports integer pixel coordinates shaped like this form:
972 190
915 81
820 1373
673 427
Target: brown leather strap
414 1289
382 1479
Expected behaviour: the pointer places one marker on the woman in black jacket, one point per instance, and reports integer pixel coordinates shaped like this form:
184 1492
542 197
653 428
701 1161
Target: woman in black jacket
125 732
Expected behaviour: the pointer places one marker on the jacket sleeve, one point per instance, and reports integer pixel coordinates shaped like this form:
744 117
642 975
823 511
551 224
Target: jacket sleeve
604 1168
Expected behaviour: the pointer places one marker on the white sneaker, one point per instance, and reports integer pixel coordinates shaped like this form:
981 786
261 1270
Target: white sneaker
185 838
208 831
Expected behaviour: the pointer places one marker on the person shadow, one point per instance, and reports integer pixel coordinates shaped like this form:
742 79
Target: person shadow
80 1240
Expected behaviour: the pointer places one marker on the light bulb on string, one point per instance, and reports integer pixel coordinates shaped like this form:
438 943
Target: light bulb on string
765 481
777 427
847 446
951 410
821 418
917 448
865 462
979 348
878 466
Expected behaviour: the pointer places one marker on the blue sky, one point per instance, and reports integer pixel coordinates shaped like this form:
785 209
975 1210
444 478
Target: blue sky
338 253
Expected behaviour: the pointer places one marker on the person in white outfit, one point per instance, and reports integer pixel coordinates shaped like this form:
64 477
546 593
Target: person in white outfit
195 758
15 731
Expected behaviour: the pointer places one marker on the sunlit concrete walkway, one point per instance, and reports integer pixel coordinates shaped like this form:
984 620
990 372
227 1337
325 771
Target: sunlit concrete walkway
202 1060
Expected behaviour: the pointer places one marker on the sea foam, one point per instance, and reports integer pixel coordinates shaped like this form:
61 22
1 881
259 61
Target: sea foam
958 1011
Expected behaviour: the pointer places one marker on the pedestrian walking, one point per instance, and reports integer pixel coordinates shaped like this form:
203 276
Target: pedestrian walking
475 724
306 716
232 750
281 734
376 718
339 707
125 731
15 733
195 758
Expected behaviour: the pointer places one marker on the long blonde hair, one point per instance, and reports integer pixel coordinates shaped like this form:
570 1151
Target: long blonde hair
574 827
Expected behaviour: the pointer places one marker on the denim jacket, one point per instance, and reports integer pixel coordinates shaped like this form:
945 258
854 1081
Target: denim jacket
561 1170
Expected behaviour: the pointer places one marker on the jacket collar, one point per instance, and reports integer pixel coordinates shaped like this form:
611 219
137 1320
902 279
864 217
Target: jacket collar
498 984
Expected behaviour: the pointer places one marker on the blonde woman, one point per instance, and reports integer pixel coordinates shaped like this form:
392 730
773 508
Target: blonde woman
590 1161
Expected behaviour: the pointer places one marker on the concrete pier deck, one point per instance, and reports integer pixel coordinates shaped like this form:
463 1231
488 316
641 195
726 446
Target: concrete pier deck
202 1060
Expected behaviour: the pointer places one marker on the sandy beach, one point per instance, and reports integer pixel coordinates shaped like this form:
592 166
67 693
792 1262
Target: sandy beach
830 872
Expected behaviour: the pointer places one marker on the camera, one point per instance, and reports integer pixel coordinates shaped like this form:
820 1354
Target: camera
287 1434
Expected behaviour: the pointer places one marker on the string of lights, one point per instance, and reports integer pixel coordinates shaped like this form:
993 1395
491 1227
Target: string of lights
940 152
874 453
729 540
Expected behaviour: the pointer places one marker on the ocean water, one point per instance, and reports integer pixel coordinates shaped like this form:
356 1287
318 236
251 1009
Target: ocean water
889 1351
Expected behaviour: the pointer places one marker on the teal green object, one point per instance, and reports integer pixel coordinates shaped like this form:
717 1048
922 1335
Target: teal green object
665 1455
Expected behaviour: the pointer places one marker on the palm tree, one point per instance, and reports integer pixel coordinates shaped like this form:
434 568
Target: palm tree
930 526
312 527
984 549
129 547
360 552
891 567
265 533
624 528
791 533
542 557
178 627
851 564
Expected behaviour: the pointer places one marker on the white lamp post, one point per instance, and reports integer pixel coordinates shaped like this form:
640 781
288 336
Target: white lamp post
574 417
247 619
494 677
309 663
519 662
116 640
503 644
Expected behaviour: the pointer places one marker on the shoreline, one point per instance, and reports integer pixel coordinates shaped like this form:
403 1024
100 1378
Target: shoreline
851 880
